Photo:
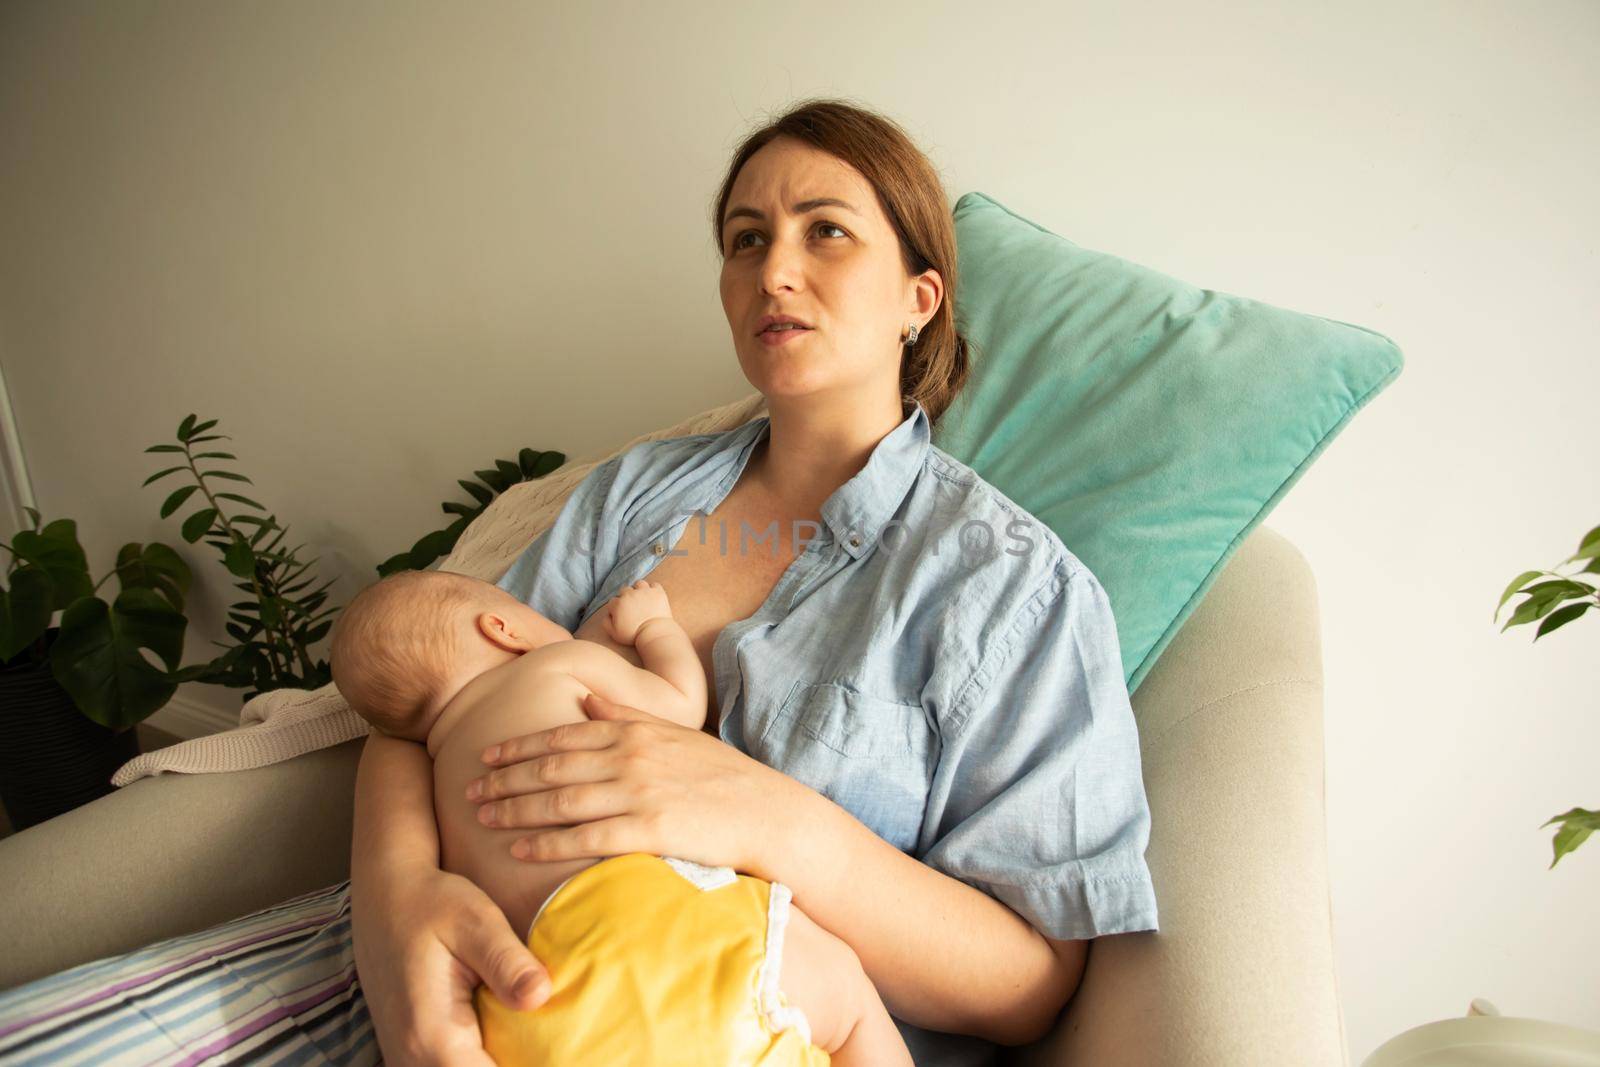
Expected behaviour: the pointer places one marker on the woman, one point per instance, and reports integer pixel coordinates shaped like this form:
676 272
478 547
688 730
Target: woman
928 737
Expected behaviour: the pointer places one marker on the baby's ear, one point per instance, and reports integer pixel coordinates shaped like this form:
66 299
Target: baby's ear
499 630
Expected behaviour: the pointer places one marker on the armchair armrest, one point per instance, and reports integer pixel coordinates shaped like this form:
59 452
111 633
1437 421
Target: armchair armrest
1242 971
172 854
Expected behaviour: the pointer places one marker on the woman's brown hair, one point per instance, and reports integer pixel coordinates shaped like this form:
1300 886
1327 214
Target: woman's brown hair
913 199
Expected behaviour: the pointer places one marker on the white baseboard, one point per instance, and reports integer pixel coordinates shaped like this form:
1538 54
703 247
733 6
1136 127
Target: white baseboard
185 717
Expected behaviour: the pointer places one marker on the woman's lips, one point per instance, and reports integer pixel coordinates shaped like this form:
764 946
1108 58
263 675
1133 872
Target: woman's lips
773 338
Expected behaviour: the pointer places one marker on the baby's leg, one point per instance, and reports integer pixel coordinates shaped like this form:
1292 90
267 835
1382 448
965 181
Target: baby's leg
822 976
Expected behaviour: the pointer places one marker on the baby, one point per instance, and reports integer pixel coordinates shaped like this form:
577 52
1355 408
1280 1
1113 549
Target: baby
652 959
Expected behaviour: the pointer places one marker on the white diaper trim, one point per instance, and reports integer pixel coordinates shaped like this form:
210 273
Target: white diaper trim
701 875
780 1016
529 932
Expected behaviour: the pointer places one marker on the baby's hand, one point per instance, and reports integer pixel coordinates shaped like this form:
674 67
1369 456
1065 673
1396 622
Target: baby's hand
632 607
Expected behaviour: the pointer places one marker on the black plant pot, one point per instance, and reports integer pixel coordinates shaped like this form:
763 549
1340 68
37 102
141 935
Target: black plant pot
53 757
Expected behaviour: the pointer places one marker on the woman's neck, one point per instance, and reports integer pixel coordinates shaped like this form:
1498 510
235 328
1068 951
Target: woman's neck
811 450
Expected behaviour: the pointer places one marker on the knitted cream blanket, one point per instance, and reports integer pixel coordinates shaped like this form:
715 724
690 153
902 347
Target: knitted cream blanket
285 723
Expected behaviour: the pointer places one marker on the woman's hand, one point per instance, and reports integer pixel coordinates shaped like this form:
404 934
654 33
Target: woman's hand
628 781
420 953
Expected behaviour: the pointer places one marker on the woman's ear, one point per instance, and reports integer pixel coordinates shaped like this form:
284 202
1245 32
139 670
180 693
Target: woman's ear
502 632
928 293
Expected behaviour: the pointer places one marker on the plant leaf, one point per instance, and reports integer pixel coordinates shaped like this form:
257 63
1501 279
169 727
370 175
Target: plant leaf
1516 583
232 477
165 448
240 559
186 427
162 474
493 479
1589 547
55 551
1530 609
154 566
1561 618
24 610
239 499
176 499
400 561
97 661
1577 825
479 493
1559 589
546 462
216 455
197 525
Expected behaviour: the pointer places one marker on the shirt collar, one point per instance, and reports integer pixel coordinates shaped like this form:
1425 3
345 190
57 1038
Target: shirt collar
856 512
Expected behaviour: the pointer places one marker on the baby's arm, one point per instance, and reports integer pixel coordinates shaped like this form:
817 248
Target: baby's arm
822 976
666 651
673 679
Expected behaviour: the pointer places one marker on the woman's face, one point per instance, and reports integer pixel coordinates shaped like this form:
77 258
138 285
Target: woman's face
836 268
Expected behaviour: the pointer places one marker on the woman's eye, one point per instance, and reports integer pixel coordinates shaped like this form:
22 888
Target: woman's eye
746 233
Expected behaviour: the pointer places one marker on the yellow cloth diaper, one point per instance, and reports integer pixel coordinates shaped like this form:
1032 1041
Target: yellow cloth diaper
656 961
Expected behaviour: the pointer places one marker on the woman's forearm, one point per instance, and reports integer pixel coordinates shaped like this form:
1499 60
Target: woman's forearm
942 954
394 822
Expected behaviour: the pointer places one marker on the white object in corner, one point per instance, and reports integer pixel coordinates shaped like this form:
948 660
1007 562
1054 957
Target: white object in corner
1484 1036
16 488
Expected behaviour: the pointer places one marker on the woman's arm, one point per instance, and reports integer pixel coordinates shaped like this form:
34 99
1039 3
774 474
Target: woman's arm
942 954
1038 797
394 821
423 938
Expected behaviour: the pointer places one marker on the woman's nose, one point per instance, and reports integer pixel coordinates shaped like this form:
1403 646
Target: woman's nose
780 267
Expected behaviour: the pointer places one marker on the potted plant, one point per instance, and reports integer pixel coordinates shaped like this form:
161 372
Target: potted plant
1557 602
280 616
70 695
531 463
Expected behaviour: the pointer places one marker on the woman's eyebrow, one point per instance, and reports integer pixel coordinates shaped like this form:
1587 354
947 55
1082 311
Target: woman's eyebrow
799 209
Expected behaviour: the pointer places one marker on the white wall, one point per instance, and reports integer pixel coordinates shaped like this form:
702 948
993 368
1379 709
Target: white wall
385 243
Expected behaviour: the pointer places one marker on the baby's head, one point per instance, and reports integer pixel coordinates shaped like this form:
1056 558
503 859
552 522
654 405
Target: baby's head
405 645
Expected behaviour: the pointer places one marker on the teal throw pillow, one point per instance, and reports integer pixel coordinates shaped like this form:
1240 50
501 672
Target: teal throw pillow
1150 423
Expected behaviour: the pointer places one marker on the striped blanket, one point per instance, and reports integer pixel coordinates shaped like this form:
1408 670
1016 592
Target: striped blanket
277 986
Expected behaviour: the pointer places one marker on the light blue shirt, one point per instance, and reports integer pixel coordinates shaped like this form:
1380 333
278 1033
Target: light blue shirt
934 661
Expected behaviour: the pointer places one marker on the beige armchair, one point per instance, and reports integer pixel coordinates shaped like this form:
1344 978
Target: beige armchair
1242 972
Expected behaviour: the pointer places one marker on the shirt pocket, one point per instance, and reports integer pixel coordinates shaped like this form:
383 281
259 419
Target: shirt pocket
871 755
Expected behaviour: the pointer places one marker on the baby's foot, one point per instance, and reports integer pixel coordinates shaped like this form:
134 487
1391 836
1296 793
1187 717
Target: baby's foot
630 609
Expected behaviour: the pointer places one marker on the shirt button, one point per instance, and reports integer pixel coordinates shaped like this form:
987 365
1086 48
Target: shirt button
659 548
855 540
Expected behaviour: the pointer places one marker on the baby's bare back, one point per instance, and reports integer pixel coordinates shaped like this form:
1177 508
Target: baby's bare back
537 692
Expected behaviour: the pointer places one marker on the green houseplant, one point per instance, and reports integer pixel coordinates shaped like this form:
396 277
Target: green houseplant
1557 602
281 615
531 463
70 694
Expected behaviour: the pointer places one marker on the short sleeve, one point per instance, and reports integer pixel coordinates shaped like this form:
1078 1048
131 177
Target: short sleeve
557 575
1039 783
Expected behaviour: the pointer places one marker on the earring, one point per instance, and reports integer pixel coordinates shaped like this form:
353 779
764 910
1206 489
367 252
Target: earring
910 338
